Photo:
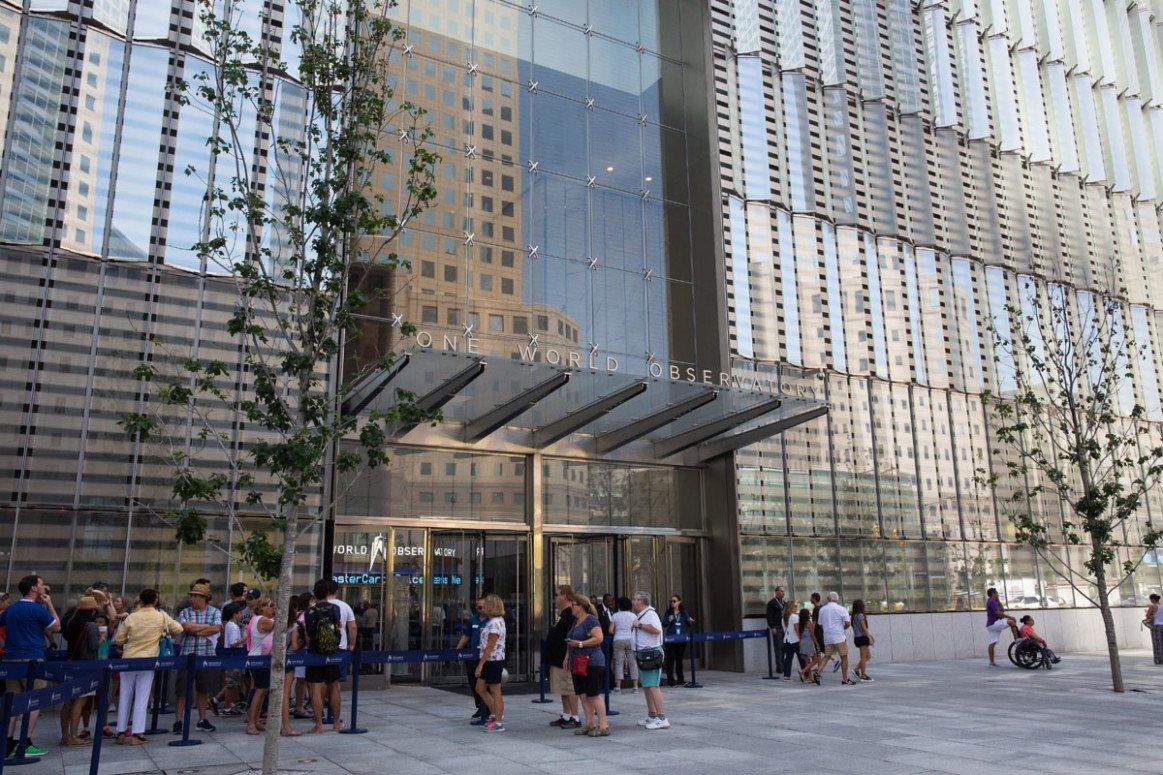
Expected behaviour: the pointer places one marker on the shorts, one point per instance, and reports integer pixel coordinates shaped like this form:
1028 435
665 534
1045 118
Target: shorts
649 679
231 679
860 641
807 648
206 681
18 685
592 683
261 678
491 672
996 629
322 674
301 672
840 648
560 682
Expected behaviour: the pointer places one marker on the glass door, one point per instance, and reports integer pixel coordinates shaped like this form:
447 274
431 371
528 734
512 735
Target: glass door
589 565
505 572
454 585
404 623
682 573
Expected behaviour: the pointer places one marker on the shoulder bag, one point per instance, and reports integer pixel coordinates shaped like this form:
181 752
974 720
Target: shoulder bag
579 664
166 643
647 659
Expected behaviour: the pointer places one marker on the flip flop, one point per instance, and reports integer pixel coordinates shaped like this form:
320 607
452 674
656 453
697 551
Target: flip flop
292 733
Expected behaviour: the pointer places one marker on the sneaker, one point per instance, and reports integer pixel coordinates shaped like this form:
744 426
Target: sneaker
572 723
635 689
479 721
847 682
1056 660
645 721
205 725
617 690
993 664
560 721
477 714
866 677
177 728
816 678
658 723
32 750
599 732
494 726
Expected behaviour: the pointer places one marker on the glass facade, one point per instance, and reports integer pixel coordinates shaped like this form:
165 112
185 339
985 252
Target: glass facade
932 165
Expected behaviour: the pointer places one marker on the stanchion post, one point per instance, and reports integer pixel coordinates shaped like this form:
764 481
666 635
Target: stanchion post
102 719
694 684
159 688
186 739
541 678
353 728
771 676
608 651
5 717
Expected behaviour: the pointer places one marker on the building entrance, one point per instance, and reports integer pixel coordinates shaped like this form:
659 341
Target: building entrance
423 584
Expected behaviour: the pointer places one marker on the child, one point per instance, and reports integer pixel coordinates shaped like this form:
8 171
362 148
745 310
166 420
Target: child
1027 631
228 698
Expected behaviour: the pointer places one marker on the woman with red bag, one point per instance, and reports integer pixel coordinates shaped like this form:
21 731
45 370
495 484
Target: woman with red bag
587 662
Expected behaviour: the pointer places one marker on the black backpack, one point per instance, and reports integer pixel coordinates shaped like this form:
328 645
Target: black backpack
323 628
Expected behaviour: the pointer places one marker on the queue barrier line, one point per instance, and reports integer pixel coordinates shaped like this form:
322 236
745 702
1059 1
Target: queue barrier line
86 676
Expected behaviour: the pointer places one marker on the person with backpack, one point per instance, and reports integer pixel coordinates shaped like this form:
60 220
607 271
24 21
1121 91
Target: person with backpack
325 637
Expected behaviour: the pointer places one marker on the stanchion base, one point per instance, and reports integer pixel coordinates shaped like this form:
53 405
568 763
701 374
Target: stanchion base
692 685
158 731
353 731
542 702
17 762
181 743
613 713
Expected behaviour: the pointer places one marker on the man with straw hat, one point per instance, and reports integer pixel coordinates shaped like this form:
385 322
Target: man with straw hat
202 624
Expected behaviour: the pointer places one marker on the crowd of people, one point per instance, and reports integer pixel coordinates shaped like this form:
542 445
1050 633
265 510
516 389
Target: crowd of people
101 625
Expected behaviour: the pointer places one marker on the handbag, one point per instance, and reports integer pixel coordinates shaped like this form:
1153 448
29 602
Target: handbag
165 646
579 665
646 659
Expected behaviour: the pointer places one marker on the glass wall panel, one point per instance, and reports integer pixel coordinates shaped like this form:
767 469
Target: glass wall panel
862 568
36 102
983 567
765 563
815 567
906 575
855 474
809 476
895 460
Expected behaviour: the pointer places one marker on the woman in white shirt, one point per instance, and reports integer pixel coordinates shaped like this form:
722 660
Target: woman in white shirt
260 631
791 638
621 628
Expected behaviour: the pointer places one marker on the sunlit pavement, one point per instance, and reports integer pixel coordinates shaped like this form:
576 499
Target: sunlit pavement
952 717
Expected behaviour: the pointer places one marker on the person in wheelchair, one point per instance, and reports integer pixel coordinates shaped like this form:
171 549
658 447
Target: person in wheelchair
1027 632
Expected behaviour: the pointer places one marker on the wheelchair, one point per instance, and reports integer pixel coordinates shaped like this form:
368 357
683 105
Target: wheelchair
1028 654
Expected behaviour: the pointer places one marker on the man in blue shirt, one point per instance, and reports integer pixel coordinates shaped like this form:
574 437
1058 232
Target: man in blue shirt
471 637
27 622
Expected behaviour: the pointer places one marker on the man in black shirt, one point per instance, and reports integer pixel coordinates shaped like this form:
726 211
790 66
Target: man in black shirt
560 680
775 608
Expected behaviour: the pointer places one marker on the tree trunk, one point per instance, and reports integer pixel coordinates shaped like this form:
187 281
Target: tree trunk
1108 621
270 749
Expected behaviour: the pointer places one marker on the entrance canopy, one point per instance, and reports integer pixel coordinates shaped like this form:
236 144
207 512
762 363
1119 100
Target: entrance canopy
484 393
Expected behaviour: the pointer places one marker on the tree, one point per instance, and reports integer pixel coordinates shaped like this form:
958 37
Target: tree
297 227
1065 413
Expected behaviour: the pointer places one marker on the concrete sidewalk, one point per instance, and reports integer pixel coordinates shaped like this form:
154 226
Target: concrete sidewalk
947 717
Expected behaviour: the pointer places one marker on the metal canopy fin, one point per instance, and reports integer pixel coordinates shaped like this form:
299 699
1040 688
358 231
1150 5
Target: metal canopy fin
719 446
611 440
547 434
680 441
371 385
444 392
479 427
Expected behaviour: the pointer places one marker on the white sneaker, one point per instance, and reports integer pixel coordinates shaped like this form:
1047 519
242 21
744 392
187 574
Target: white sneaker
645 721
635 689
617 690
658 723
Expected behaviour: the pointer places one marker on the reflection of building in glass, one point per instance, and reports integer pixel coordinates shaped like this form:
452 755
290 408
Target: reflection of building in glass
891 180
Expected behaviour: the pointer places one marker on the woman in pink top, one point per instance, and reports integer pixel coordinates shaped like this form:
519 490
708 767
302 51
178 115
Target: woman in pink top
1027 631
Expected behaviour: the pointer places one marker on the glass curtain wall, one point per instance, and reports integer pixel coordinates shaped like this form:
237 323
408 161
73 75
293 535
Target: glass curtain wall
886 200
